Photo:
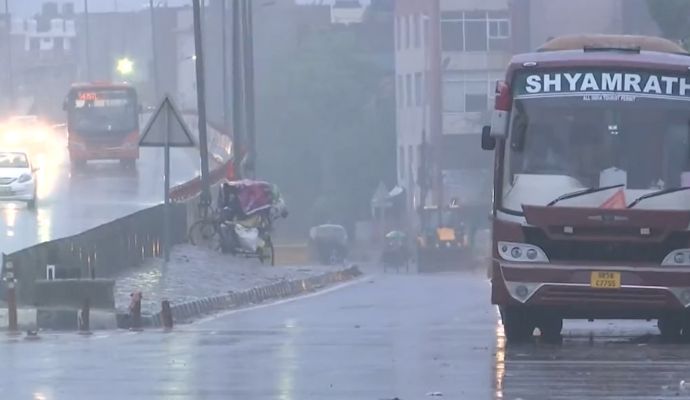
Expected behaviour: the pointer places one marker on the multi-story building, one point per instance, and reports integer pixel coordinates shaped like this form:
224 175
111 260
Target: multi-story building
449 53
43 60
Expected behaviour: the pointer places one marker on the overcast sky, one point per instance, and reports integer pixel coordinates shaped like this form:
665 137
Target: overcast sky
27 8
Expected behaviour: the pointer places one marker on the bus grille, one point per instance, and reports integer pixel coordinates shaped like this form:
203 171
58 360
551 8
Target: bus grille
581 249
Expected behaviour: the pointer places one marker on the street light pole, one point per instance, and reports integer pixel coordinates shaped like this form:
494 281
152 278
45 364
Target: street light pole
226 89
249 86
237 126
154 52
10 72
201 105
87 40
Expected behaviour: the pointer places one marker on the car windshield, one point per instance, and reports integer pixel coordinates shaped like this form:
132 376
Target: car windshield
13 160
103 111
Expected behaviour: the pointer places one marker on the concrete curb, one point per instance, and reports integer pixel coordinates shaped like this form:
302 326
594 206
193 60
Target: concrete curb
59 319
186 312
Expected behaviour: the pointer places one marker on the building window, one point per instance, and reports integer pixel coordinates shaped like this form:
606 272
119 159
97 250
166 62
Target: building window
475 31
407 32
401 92
417 31
410 159
426 30
418 89
397 33
401 162
476 38
452 36
499 29
427 89
34 44
408 91
468 91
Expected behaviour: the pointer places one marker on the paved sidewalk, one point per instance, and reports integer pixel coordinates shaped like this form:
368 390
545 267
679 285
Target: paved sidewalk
195 273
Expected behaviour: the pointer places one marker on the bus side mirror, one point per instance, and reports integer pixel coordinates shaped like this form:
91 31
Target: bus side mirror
488 141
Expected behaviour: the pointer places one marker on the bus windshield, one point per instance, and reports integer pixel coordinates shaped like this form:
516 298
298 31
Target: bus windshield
102 111
569 142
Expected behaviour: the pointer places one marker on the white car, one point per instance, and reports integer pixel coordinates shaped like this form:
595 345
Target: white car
17 178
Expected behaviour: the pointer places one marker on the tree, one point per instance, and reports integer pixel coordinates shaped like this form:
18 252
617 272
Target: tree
672 17
327 127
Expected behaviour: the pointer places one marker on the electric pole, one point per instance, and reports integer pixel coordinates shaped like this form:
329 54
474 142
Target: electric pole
201 104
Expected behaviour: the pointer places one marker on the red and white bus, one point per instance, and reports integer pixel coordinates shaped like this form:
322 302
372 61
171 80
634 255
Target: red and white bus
591 214
102 123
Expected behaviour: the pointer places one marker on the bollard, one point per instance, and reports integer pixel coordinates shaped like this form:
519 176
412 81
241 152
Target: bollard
84 318
166 315
12 326
135 312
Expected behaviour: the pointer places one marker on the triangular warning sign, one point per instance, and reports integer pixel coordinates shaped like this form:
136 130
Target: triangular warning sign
617 201
166 125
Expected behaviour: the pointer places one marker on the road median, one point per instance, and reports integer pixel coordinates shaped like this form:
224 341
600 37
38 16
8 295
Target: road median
198 281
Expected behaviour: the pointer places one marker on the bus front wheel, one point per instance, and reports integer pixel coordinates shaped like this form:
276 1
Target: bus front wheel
518 324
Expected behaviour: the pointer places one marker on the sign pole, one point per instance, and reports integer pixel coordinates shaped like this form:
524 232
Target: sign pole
166 190
166 129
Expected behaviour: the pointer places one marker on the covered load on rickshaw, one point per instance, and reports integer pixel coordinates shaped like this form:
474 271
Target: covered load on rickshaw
329 243
248 209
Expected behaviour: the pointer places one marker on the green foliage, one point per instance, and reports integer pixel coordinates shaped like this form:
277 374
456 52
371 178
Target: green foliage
672 17
327 127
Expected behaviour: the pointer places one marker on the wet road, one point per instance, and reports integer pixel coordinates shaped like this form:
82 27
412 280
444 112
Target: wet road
389 336
69 203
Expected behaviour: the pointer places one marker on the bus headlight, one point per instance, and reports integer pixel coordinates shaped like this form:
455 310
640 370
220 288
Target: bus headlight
680 257
521 252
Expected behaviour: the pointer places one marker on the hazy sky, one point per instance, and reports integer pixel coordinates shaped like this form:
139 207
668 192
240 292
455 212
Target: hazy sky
27 8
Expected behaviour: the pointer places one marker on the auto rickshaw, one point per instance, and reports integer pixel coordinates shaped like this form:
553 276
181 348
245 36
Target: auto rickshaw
396 253
329 243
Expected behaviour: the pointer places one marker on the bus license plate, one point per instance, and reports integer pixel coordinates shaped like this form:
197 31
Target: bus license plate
605 280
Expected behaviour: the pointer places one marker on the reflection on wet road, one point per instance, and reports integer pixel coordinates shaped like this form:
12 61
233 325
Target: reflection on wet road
600 360
386 337
69 203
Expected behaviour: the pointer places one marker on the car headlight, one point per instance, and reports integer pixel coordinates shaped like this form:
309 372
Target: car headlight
24 178
521 252
680 257
12 137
